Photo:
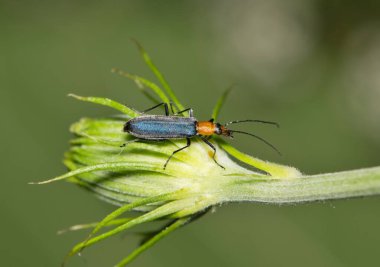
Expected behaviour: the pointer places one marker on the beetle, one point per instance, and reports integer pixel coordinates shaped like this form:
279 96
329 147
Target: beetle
164 127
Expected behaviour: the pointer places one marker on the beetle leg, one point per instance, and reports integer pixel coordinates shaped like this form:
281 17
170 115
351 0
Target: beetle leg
128 142
213 148
190 110
171 104
156 106
178 150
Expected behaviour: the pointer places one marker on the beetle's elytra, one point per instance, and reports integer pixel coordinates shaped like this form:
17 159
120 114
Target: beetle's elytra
156 127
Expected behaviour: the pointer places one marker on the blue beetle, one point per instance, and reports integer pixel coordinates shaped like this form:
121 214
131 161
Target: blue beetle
164 127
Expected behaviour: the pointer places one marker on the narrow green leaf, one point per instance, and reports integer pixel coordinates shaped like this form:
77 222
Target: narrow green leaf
110 166
150 97
160 212
153 240
110 103
273 169
118 212
78 227
101 140
220 102
144 83
146 235
159 76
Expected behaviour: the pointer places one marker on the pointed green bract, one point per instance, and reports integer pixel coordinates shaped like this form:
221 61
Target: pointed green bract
78 227
110 103
129 207
159 76
159 212
144 83
153 240
109 166
273 169
219 103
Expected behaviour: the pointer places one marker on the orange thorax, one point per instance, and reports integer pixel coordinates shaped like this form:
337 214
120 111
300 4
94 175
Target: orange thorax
205 128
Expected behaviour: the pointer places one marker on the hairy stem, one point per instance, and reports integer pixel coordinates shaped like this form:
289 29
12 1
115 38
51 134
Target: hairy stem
347 184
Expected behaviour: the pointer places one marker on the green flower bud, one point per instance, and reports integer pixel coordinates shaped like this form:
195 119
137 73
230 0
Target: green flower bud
132 176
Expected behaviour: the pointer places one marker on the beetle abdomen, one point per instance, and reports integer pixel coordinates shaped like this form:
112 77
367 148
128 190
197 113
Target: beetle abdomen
155 127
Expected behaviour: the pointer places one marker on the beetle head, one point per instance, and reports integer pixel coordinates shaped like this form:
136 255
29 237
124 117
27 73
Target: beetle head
222 130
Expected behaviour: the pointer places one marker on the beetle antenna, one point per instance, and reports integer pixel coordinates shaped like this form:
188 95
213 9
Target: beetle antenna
260 121
261 139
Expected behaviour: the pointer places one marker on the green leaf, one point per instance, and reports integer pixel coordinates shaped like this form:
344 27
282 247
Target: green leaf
144 83
78 227
275 170
219 103
114 166
161 198
159 76
154 239
160 212
110 103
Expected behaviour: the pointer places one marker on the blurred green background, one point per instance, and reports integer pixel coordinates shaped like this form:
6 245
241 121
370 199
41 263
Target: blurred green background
313 66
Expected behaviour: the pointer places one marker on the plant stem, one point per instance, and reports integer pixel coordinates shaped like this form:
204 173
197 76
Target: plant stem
347 184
